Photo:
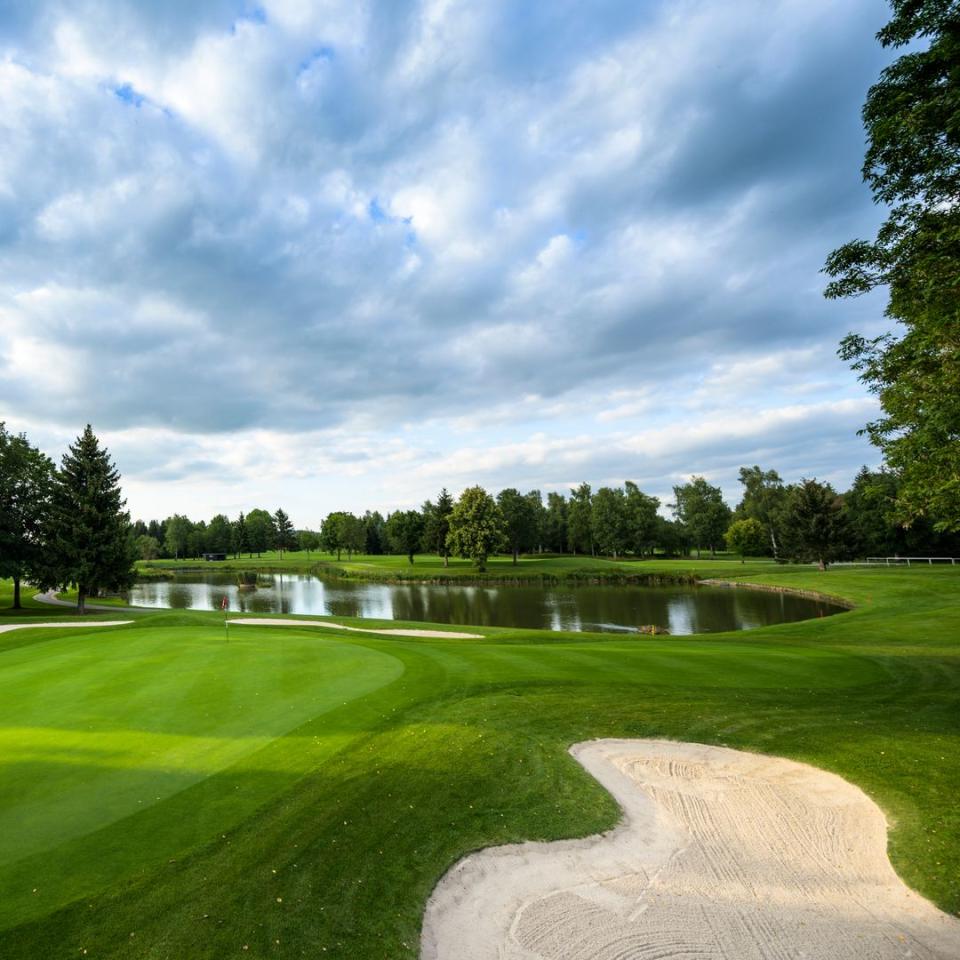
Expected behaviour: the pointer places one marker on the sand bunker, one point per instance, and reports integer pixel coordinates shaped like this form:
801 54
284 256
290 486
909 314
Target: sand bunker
68 623
271 622
721 854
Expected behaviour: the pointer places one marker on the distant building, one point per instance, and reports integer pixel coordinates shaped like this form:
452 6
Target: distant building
214 556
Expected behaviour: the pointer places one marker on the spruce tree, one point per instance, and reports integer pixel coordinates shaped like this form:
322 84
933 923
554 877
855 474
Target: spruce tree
285 538
89 529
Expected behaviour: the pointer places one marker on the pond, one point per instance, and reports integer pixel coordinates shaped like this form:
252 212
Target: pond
614 608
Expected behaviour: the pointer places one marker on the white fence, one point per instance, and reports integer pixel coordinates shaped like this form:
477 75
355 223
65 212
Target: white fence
896 561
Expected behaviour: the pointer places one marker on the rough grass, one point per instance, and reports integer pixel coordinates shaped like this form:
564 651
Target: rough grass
165 793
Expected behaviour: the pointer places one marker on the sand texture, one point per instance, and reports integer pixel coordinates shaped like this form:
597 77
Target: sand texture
68 623
720 854
272 622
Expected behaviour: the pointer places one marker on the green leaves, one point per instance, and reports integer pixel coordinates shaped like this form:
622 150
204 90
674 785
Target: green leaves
477 527
912 164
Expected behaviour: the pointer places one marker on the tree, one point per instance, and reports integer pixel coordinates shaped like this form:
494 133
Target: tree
642 518
476 526
261 533
26 483
610 521
436 525
284 536
579 520
813 519
197 539
763 497
374 533
912 165
308 541
240 539
333 532
539 520
700 508
746 537
148 548
519 520
354 535
868 508
177 537
555 523
219 534
89 529
405 529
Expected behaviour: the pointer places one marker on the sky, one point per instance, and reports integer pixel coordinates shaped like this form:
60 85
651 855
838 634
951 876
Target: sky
338 255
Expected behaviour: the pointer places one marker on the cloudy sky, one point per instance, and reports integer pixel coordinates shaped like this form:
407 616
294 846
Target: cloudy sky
336 255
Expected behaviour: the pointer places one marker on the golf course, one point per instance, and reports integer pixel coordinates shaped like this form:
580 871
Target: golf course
172 787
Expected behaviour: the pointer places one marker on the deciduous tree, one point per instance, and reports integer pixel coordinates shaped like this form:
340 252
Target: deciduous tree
763 499
26 484
610 521
261 533
519 520
700 508
912 165
405 529
580 519
476 526
746 537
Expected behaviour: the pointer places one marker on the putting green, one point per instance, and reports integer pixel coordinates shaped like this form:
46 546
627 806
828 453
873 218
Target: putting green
103 727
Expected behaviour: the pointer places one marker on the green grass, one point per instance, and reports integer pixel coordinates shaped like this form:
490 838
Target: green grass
165 793
430 566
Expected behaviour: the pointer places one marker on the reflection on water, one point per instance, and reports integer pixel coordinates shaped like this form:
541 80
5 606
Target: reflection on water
607 608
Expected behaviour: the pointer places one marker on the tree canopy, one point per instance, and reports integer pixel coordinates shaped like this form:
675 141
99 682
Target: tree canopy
26 482
912 165
476 526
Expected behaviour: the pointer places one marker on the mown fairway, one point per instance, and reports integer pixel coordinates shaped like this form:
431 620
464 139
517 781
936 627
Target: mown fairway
167 794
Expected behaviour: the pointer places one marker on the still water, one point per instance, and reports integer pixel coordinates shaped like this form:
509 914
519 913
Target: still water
609 608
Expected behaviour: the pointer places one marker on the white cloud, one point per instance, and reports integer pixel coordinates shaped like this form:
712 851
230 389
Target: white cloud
352 246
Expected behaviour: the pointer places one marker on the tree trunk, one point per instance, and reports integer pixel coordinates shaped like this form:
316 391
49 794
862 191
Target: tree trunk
446 560
81 599
516 555
773 543
410 557
821 566
16 593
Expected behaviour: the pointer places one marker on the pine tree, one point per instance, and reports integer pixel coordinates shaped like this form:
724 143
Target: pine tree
285 538
241 542
89 529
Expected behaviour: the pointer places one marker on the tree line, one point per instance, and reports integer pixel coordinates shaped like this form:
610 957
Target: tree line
67 526
804 521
